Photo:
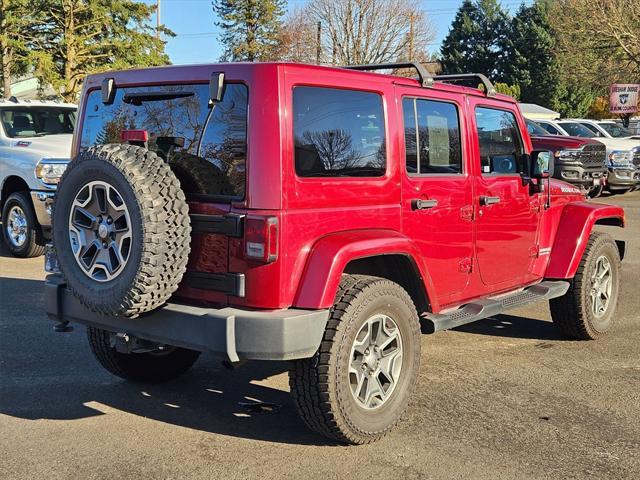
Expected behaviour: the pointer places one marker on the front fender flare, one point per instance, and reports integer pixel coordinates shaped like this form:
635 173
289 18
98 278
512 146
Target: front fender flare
331 254
576 223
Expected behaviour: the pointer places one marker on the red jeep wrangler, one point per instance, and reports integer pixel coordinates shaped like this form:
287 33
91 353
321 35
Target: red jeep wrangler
318 215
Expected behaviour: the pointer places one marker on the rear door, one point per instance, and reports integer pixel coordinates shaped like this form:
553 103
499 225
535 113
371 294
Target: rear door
437 211
507 212
205 146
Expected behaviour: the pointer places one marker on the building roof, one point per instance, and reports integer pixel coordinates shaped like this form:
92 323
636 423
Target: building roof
533 111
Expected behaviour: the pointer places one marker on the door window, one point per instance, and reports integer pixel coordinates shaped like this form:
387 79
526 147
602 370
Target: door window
550 128
501 147
338 133
432 137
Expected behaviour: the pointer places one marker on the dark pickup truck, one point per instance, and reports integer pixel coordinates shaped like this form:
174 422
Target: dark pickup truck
579 161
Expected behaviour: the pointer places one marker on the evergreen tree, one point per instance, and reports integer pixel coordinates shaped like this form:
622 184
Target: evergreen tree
78 37
477 40
531 60
250 28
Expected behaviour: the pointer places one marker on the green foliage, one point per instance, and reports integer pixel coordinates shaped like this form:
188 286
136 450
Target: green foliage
250 28
72 38
477 40
511 90
531 51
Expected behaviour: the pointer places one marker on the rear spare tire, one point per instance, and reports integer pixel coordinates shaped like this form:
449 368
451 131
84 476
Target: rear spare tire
121 229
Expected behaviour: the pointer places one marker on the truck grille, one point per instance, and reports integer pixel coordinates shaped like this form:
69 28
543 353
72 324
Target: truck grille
593 155
636 156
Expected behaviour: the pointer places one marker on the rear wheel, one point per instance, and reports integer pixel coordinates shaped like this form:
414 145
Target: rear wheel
587 310
359 382
20 229
155 366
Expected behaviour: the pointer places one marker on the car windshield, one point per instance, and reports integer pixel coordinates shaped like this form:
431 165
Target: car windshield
614 130
577 130
535 129
21 122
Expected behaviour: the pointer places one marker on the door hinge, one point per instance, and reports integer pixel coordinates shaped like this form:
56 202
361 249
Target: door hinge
534 251
466 213
466 265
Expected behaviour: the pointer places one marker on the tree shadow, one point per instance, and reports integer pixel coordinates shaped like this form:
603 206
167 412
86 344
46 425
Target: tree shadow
512 326
47 375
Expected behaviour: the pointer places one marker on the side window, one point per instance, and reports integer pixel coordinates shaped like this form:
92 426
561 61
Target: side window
338 133
432 137
501 147
550 128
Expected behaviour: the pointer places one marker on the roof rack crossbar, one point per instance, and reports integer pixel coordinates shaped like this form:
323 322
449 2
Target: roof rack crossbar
489 89
426 79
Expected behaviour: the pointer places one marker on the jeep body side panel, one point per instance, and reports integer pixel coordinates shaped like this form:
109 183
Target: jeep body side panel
331 254
575 225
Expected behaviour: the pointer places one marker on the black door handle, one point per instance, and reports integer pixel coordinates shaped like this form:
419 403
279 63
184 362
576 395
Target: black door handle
419 204
484 200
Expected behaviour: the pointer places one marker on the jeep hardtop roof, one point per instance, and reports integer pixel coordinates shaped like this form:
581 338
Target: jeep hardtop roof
456 84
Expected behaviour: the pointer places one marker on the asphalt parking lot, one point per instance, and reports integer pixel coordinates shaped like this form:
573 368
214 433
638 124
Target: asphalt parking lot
502 398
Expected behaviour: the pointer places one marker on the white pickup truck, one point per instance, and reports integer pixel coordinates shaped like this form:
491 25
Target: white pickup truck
35 145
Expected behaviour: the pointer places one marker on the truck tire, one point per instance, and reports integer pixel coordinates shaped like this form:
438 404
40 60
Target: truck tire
587 310
359 382
148 367
121 230
595 192
20 229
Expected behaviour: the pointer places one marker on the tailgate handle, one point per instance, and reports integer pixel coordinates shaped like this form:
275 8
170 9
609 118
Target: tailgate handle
231 224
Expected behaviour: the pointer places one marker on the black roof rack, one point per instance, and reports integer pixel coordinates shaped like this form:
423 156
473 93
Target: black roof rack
469 80
426 79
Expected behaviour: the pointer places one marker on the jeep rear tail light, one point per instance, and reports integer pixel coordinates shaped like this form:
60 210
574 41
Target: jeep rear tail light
134 136
261 238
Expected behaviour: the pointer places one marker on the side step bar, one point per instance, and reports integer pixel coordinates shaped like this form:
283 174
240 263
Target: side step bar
488 307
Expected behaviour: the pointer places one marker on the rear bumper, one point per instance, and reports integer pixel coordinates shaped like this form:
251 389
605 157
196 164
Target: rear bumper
229 332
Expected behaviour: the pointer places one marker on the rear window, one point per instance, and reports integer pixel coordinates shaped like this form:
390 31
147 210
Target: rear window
338 133
206 146
21 122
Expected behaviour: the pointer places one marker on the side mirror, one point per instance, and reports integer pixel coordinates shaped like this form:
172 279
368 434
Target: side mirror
541 164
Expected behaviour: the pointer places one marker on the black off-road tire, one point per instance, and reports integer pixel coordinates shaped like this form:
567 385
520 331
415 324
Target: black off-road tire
572 313
199 176
320 385
160 227
148 367
34 244
595 192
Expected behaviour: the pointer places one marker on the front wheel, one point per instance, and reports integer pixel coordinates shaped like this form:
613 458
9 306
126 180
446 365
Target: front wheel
21 231
587 310
359 382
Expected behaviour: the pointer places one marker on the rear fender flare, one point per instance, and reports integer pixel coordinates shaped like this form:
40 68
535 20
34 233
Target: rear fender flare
575 227
332 253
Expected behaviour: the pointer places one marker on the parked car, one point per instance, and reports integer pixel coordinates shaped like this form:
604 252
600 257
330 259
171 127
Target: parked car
609 129
579 161
624 175
322 228
35 146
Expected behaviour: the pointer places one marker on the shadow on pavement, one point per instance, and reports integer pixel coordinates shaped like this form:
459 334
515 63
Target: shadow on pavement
47 375
511 326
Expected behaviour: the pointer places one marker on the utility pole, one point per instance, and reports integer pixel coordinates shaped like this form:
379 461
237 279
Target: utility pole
411 36
158 19
318 49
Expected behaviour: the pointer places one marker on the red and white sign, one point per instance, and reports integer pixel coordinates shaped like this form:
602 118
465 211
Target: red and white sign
623 98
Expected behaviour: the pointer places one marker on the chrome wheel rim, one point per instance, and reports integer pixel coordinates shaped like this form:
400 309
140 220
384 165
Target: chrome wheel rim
601 286
17 227
100 231
375 362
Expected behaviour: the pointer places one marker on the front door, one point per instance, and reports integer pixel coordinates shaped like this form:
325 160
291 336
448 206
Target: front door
437 210
507 213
